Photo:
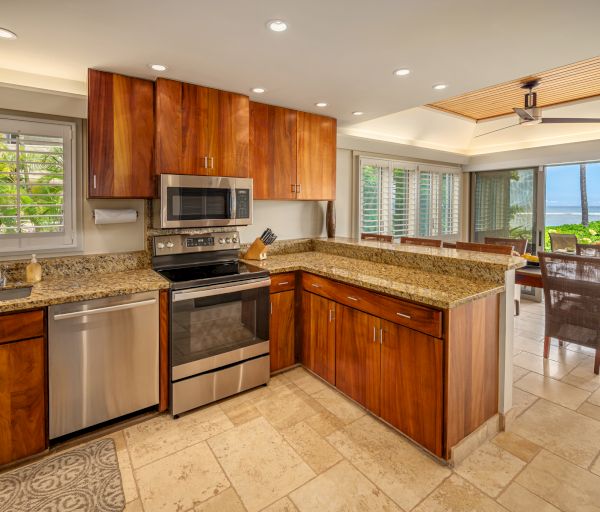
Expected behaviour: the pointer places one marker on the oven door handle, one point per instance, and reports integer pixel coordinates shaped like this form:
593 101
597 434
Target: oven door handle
221 289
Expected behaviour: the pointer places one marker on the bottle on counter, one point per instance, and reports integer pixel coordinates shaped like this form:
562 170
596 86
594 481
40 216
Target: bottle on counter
33 271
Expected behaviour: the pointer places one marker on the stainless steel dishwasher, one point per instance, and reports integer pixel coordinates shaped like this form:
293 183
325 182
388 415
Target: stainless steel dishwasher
103 360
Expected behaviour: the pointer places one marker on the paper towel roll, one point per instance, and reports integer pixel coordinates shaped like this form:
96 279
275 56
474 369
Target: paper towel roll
105 216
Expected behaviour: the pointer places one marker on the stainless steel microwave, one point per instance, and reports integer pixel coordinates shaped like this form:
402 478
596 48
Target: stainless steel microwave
198 201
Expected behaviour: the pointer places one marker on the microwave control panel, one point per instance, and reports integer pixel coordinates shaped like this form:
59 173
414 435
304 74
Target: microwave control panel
242 203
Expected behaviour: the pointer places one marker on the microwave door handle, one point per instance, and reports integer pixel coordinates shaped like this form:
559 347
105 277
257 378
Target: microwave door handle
232 204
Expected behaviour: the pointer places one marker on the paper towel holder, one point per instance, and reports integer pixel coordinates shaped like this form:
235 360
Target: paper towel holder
137 214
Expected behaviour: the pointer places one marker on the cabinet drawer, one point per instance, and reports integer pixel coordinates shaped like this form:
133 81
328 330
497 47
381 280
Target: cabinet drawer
420 318
283 282
21 326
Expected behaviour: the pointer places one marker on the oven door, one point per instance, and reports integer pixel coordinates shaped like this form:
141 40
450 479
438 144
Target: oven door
218 326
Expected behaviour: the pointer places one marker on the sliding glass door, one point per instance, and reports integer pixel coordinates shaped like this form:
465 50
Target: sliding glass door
504 204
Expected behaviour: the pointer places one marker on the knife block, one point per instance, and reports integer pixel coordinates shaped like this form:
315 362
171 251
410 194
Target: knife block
257 251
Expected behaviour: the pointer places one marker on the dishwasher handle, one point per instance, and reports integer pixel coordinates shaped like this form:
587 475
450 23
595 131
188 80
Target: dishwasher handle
107 309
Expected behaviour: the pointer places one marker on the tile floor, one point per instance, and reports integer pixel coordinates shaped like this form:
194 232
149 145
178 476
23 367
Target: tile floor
298 445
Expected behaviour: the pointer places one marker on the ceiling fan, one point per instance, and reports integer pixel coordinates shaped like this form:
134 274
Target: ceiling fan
531 114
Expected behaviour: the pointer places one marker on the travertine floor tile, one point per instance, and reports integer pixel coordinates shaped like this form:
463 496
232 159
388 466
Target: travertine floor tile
341 489
589 410
517 445
161 436
583 376
181 480
227 501
243 413
324 422
458 495
564 432
310 384
553 390
338 405
540 365
522 400
518 499
490 468
519 372
315 451
397 467
287 406
561 483
283 505
134 506
596 466
595 398
260 463
127 477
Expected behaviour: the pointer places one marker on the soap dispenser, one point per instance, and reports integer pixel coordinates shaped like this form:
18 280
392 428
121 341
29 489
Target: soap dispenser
33 271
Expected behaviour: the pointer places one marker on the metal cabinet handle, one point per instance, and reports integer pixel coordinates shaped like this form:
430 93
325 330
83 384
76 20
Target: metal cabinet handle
293 188
403 315
352 298
374 335
212 162
205 162
282 283
298 188
94 181
331 317
271 308
107 309
381 336
315 285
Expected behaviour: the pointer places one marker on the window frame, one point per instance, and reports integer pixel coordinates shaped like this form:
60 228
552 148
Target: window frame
16 244
415 168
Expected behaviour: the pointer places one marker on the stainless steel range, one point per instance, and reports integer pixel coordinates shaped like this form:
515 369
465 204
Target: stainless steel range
219 321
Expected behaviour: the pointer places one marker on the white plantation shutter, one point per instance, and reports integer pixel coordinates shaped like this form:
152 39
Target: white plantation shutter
36 185
408 199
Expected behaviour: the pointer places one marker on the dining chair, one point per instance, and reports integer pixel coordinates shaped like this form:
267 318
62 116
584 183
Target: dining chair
496 249
429 242
376 236
588 250
562 242
572 300
518 244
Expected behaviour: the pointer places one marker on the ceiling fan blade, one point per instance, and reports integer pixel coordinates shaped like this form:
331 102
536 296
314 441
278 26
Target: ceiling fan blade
523 114
494 131
557 120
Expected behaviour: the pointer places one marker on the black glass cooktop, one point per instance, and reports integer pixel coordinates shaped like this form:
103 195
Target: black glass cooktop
211 273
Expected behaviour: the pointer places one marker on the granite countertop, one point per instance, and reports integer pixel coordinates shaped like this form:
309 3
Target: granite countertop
432 288
60 290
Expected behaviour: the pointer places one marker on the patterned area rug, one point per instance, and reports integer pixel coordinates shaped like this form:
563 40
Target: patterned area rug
86 478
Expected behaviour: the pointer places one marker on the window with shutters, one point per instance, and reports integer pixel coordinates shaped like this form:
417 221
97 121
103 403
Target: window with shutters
409 199
36 185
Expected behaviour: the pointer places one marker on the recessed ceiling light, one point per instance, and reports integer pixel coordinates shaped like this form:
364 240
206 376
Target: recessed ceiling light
357 113
439 87
258 90
321 104
402 72
158 67
277 25
7 34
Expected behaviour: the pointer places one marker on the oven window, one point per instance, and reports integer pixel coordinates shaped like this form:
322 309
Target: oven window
186 203
206 327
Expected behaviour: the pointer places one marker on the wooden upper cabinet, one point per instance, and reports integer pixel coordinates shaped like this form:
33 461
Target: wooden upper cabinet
120 136
357 356
316 157
200 130
273 151
412 384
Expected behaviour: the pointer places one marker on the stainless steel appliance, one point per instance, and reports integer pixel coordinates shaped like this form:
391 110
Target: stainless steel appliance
198 201
103 360
219 331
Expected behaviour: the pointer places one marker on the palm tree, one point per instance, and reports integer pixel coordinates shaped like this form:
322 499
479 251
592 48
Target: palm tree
585 219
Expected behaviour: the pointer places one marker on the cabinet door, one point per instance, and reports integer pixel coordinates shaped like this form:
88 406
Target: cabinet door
232 156
22 399
357 356
318 344
316 156
411 384
282 330
120 136
273 151
168 126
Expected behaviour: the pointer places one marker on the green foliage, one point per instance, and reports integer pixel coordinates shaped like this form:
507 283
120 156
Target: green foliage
585 235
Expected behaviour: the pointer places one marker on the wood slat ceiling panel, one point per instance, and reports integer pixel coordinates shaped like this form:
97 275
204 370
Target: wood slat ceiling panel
559 85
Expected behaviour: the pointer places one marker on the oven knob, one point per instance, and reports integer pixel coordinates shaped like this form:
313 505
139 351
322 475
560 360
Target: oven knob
221 240
170 245
234 240
160 245
228 240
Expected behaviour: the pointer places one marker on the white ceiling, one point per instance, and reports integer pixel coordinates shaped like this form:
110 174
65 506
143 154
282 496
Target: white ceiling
339 51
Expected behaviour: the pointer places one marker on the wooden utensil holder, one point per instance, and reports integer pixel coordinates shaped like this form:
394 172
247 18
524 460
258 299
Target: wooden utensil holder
257 251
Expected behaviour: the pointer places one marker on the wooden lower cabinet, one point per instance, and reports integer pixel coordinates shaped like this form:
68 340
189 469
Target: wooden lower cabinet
22 399
318 346
282 330
357 356
412 384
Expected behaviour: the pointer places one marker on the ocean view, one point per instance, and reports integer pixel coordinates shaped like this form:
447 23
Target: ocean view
559 215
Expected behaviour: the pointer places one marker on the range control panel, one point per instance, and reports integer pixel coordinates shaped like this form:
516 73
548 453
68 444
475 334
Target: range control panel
180 244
